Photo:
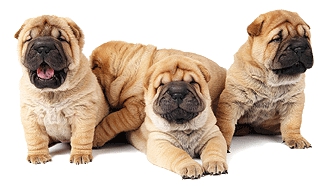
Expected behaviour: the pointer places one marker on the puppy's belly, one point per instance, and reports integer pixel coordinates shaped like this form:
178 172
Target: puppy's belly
59 132
57 126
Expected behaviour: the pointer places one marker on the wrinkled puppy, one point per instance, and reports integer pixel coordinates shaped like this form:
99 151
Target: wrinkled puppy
120 68
180 123
264 90
61 100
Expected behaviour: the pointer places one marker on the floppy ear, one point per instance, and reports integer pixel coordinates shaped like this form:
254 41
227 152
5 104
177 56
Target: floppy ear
254 29
205 72
18 32
77 32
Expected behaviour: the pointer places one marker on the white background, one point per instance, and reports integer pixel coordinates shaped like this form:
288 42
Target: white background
215 29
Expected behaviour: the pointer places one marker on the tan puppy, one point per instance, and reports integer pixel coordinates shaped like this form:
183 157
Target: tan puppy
265 85
120 68
179 123
61 100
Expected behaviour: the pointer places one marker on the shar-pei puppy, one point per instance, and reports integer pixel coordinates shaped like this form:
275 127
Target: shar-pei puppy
180 97
61 99
179 123
264 89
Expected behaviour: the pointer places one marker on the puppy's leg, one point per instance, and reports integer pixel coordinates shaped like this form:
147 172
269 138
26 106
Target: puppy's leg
138 138
290 126
164 154
130 117
213 156
229 110
36 138
82 136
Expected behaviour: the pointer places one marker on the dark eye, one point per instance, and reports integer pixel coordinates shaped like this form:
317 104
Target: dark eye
95 66
276 39
193 82
29 38
61 37
306 36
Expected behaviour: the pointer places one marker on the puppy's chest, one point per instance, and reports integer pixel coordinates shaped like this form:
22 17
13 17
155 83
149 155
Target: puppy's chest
266 107
189 141
56 118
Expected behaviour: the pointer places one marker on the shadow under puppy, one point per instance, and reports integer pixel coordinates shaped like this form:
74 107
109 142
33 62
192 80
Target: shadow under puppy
60 97
180 123
264 90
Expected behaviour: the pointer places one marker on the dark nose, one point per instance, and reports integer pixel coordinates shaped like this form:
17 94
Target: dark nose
44 46
299 50
298 46
177 96
43 50
178 90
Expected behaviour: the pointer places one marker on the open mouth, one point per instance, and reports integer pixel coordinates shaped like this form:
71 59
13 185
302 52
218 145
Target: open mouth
46 77
45 72
296 68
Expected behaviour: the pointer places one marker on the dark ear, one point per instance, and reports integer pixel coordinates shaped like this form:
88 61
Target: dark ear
254 29
18 32
77 32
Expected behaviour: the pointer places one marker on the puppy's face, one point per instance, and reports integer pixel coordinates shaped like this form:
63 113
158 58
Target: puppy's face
178 102
48 48
281 43
176 94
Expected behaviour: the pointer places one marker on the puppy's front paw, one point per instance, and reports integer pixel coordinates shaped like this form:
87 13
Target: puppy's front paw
296 142
215 167
81 158
39 158
191 171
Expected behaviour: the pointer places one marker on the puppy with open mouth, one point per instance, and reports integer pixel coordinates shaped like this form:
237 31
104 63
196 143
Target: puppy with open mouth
60 97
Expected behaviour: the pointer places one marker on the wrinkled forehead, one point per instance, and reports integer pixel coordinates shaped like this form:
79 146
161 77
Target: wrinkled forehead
45 26
289 29
177 75
286 21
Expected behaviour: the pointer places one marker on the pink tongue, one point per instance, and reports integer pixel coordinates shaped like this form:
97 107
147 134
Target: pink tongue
45 72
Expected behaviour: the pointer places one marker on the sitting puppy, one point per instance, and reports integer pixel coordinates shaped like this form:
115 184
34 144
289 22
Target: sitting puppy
264 90
61 100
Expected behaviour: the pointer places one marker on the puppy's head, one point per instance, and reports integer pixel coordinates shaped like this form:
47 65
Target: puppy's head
48 48
176 94
281 42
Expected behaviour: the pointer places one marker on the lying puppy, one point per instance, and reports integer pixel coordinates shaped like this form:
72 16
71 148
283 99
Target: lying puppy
179 123
120 68
265 85
61 100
